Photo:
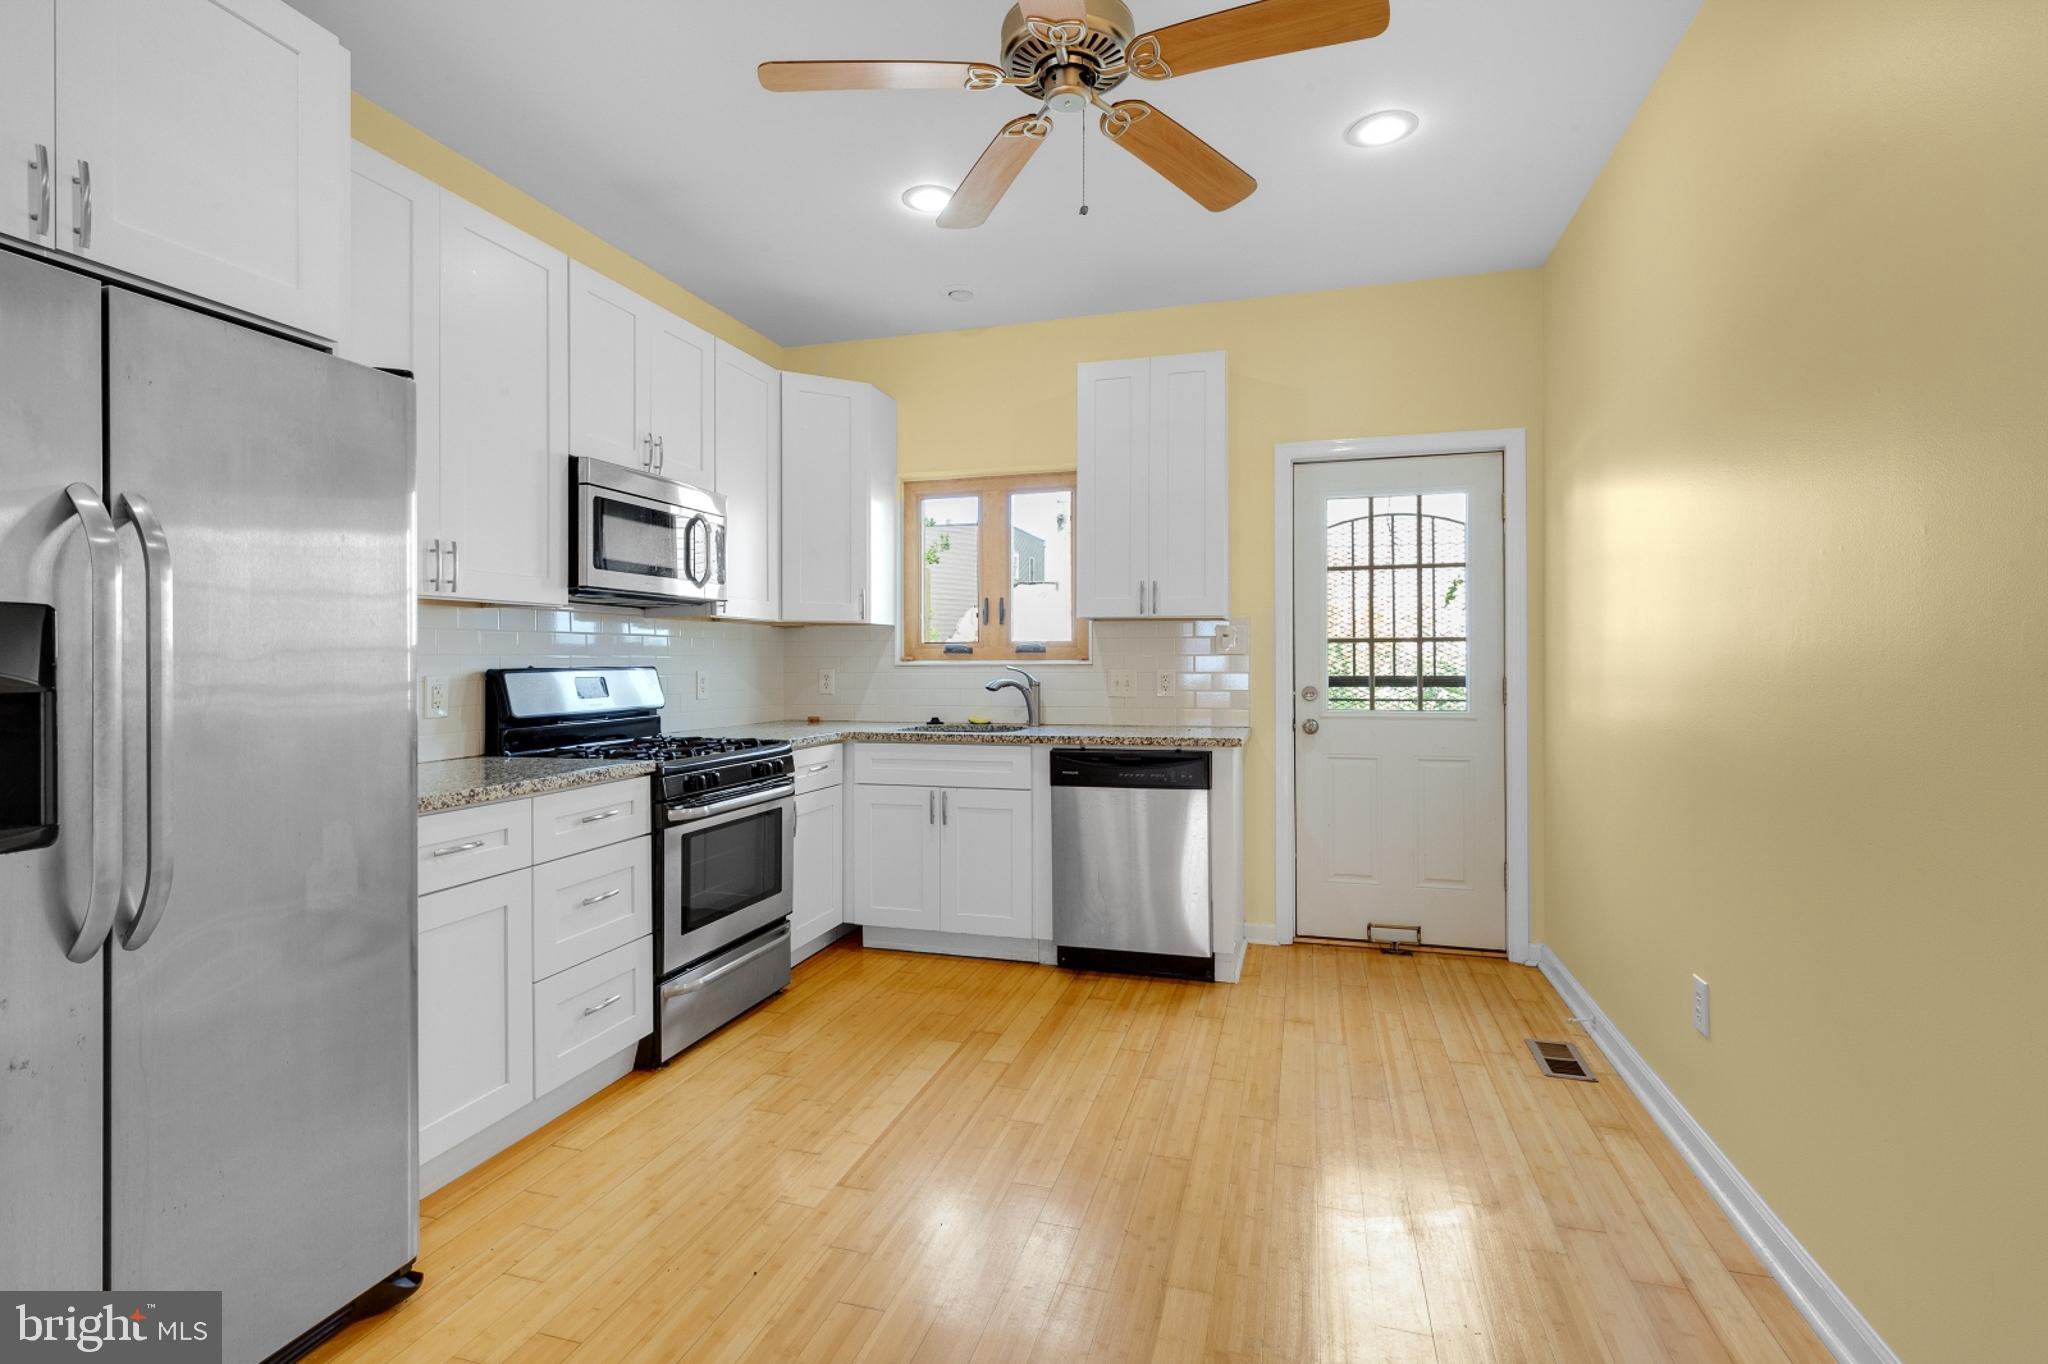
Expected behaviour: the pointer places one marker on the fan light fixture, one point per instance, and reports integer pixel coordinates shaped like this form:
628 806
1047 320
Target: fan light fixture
1382 129
927 198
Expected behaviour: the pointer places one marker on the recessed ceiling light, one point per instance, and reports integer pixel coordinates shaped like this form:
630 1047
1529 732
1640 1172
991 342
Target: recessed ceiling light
927 198
960 295
1382 128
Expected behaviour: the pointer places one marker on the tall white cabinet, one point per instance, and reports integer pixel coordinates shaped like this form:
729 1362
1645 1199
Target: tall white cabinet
197 144
839 502
1153 488
747 405
640 382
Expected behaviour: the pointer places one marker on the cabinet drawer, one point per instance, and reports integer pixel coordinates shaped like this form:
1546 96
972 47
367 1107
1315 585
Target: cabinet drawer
588 1012
818 768
995 766
591 903
460 846
589 817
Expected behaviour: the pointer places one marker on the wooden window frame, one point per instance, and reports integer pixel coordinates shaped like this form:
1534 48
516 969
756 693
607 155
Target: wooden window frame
994 643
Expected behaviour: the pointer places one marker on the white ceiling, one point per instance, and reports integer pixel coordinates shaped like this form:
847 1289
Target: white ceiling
642 120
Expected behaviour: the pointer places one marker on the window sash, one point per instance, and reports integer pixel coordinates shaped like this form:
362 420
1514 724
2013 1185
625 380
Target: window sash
994 640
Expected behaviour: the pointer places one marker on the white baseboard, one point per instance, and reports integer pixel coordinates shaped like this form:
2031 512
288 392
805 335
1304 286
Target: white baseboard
1267 934
1841 1328
950 944
474 1150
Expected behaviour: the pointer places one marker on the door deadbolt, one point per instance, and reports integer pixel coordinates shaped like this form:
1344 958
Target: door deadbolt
1309 693
1311 726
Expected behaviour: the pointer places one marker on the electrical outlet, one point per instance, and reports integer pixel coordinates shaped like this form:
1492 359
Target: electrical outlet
703 685
1700 1020
1164 682
433 698
1123 682
828 682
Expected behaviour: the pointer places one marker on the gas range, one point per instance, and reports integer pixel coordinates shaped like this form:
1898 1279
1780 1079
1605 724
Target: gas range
697 771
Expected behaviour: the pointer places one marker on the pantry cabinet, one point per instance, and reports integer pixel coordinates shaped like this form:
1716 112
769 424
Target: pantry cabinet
200 145
640 382
839 502
747 464
1152 483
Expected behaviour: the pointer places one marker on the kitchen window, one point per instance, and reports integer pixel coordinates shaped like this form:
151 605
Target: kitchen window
988 569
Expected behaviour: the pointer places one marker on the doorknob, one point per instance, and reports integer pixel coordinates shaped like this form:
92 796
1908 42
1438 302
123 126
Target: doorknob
1311 726
1309 693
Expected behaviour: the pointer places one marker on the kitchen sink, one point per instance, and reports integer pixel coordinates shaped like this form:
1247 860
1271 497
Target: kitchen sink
936 728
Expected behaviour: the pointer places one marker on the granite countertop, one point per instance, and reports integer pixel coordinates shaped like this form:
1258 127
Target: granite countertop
460 782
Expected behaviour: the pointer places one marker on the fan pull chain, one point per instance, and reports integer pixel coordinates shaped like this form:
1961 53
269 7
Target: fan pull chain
1084 164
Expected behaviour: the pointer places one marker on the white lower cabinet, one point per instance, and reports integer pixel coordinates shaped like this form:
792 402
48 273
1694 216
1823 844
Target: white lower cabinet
818 879
476 1007
590 1011
943 859
896 856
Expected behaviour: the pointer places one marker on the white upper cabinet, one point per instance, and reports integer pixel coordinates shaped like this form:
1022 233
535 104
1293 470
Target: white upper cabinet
28 122
1152 496
839 501
393 318
504 376
748 460
640 382
204 146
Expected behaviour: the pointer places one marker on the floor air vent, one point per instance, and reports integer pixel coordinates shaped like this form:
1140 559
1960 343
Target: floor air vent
1561 1060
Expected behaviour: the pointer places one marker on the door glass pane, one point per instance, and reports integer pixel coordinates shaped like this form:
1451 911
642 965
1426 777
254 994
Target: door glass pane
1396 597
1042 567
951 570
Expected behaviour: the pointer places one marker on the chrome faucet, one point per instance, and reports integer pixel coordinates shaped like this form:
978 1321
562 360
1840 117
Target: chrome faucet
1028 689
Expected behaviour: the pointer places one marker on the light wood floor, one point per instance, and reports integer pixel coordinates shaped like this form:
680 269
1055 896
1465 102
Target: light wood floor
1346 1157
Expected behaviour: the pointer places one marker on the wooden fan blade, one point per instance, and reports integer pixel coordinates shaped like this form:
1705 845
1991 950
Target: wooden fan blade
1267 28
1204 174
990 179
785 77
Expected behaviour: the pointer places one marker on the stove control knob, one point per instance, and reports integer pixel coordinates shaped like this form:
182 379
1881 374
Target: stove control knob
694 782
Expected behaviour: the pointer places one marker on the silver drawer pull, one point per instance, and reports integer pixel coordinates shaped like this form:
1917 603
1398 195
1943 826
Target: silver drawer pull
603 896
689 987
590 1009
604 814
454 848
821 767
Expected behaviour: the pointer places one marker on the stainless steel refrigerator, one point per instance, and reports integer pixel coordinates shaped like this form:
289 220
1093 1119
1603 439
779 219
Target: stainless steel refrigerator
206 810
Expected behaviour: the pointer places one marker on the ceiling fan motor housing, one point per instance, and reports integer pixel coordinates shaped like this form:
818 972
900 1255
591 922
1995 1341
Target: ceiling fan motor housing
1034 62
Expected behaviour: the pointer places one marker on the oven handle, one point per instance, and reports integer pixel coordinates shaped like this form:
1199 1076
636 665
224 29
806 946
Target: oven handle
776 940
688 814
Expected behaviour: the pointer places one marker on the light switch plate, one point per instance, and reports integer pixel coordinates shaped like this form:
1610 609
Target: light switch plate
433 698
1123 682
828 682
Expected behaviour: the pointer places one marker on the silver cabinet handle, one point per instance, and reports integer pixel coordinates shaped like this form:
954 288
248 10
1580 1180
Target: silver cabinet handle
647 452
39 193
945 807
779 941
590 1009
660 453
612 813
82 183
434 578
821 767
454 848
863 603
454 565
931 807
1155 596
103 565
602 896
156 877
1141 596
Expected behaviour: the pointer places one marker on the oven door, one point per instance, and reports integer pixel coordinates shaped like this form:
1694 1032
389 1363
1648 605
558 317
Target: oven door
723 878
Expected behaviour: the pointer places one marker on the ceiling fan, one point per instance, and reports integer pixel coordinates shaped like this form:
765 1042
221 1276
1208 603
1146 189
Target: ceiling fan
1068 54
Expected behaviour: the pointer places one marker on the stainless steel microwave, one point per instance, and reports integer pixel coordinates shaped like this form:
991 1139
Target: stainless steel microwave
643 541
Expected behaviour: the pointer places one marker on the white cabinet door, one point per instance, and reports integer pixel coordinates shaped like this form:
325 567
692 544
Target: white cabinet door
393 317
748 460
896 857
591 1011
679 396
827 429
818 879
476 1008
28 122
208 140
1110 521
985 877
608 371
1188 538
504 410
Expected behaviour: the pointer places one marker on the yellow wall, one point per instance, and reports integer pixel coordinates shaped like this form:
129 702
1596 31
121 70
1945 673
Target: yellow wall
1444 355
383 131
1798 631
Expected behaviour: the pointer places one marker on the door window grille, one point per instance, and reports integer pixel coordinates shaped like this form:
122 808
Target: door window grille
1397 593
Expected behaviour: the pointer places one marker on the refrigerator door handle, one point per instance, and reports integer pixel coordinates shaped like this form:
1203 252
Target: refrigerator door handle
103 562
156 877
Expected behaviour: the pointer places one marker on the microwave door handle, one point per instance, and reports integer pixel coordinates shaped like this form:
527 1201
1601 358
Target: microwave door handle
103 565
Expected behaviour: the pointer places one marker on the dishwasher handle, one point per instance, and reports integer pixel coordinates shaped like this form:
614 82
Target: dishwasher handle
1132 769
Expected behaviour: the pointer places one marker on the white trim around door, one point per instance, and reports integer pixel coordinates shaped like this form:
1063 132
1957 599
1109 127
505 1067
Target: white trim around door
1512 446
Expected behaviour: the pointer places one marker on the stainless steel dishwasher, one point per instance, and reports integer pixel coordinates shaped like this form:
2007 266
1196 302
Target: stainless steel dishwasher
1130 860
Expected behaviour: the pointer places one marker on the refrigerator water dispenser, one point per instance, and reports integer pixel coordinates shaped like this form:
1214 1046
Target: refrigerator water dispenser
28 727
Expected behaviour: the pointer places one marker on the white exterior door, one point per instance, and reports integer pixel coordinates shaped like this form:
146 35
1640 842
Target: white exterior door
748 407
896 856
608 372
985 862
239 199
826 432
1111 493
28 123
1400 719
1188 504
679 398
